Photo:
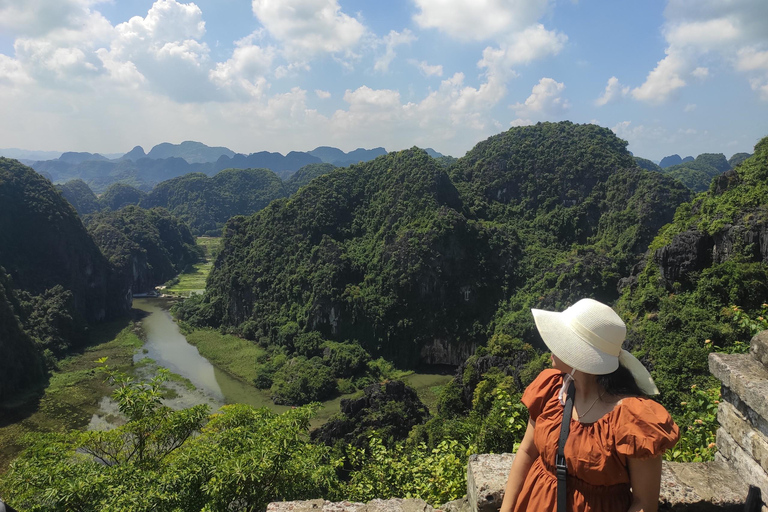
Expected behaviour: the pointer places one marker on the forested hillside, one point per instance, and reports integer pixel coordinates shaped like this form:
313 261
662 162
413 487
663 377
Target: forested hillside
206 203
54 278
698 173
416 263
80 196
146 247
705 282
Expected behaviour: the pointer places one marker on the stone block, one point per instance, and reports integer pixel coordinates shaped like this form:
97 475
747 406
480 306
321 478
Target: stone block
743 432
700 487
320 505
486 479
758 347
745 467
744 376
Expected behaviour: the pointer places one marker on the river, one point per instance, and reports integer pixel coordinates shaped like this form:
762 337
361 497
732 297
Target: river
167 347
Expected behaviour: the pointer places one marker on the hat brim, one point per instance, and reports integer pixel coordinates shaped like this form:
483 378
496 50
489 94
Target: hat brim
569 347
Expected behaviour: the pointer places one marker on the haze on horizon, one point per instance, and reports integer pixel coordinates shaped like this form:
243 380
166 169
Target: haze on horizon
104 76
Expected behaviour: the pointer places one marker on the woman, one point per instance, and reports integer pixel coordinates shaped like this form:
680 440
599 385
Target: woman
617 436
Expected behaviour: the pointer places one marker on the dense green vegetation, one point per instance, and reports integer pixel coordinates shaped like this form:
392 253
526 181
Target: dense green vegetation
679 305
146 247
697 174
53 278
119 195
80 196
305 175
205 204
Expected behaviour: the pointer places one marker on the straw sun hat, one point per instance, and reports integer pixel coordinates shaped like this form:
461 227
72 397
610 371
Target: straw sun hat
588 336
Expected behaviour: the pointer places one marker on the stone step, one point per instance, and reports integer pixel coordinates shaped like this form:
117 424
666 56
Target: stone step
701 487
744 376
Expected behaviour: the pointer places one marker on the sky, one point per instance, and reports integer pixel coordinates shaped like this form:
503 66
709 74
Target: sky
669 77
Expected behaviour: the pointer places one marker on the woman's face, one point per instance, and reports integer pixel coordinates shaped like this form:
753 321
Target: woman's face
559 365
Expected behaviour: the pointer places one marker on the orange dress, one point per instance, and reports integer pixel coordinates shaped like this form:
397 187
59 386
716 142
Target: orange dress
596 453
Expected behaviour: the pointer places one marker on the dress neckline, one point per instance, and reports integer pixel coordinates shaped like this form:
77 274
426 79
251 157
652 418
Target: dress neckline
604 416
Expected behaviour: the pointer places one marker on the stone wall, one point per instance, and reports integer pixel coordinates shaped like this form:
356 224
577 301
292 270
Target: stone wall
721 485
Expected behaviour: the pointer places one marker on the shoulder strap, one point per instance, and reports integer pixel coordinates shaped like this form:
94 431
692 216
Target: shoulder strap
560 464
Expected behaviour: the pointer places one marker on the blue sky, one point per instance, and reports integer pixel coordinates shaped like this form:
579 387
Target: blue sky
681 76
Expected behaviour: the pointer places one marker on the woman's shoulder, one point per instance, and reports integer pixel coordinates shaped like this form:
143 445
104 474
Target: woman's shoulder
546 380
643 427
543 388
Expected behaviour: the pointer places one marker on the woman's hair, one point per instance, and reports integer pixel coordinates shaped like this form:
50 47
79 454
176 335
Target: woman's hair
620 383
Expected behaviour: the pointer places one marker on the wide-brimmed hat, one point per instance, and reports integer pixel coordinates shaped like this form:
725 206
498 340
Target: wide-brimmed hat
588 337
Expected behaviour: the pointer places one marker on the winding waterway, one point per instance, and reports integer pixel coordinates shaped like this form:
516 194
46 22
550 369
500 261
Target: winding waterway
167 347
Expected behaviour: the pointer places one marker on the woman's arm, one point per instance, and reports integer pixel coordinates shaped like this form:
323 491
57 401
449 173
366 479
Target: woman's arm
645 479
526 455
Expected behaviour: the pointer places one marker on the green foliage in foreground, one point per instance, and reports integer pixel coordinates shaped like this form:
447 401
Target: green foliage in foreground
240 457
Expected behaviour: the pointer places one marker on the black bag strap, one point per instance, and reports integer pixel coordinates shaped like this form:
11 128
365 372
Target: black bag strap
560 465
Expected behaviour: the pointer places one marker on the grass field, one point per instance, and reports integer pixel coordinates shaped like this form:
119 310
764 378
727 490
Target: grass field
73 392
234 355
194 281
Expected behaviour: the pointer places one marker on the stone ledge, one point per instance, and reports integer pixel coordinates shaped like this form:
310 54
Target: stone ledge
700 487
744 433
758 347
745 377
320 505
486 479
740 462
694 487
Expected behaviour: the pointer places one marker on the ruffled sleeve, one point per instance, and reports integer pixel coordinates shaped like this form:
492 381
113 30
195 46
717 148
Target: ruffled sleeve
643 429
542 390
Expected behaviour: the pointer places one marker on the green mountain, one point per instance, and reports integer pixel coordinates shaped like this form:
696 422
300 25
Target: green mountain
305 175
146 247
80 196
206 203
712 257
119 195
53 278
44 244
191 151
698 174
416 263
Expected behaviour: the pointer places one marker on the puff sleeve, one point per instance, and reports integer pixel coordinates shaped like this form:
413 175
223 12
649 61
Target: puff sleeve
541 391
643 429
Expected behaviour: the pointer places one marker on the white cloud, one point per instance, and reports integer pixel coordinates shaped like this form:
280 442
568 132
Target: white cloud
36 18
712 28
309 27
663 81
427 69
520 122
690 107
751 59
533 43
323 95
545 100
392 40
701 73
613 92
12 72
479 19
165 48
246 69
